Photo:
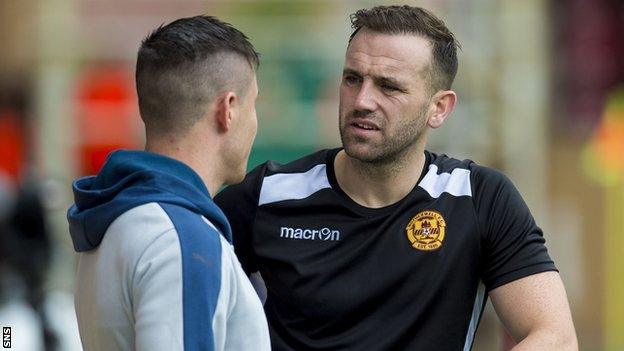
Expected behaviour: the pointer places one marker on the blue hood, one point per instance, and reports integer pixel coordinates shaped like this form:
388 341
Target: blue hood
132 178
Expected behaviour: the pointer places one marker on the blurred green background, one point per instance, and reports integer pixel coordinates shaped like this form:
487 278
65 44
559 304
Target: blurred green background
540 98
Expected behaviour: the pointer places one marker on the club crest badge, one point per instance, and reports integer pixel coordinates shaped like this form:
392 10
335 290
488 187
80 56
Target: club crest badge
426 230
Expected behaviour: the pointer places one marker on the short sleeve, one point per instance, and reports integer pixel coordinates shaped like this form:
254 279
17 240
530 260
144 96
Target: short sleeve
512 244
239 202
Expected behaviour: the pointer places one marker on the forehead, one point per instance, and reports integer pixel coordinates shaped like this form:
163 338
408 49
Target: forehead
388 53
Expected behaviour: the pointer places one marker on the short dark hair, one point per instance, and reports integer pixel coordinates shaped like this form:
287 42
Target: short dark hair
183 65
418 21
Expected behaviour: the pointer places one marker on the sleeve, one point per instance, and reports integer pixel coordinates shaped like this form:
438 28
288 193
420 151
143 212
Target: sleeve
239 203
239 322
156 296
512 244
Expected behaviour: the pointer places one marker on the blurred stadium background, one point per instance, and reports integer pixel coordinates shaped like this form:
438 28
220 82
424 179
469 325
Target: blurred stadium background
541 87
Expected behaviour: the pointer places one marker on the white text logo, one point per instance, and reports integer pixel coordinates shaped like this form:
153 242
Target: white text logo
324 234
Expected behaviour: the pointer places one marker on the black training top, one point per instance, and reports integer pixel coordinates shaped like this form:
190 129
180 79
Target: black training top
410 276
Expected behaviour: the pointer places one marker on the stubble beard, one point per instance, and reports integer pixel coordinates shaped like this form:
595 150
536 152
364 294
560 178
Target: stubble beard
393 149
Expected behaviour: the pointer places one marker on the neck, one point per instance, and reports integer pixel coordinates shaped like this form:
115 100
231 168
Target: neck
377 185
194 154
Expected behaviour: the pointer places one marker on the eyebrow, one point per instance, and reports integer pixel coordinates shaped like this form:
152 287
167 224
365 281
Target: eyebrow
350 71
377 79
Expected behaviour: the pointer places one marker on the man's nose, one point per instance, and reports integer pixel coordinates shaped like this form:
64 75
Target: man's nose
365 99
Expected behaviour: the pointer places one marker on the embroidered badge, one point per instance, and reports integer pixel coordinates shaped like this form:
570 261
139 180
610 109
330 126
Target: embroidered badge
426 230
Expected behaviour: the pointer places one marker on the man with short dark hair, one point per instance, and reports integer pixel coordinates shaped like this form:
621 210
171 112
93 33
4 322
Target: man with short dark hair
156 269
381 244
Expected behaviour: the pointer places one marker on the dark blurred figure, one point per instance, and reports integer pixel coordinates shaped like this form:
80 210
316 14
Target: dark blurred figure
25 251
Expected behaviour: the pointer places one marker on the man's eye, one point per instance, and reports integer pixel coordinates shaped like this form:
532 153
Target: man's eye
388 87
352 80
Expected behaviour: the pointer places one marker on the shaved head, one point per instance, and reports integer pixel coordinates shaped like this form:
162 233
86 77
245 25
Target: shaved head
183 66
171 101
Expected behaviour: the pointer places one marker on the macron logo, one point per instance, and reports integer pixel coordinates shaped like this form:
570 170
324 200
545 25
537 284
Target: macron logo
324 234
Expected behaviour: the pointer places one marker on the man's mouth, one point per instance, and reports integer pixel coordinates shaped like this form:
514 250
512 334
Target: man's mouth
365 125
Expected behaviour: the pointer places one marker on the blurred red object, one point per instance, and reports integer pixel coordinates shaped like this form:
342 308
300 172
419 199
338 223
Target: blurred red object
106 115
11 144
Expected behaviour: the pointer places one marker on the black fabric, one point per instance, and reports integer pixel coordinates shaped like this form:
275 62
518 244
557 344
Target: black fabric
512 239
370 289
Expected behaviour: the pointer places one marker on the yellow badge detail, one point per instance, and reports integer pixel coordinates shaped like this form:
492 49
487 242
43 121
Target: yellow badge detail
426 230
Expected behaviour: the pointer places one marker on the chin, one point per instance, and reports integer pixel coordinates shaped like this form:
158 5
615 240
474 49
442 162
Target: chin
360 152
358 149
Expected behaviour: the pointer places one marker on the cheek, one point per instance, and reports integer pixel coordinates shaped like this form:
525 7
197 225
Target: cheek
396 118
251 132
345 97
254 123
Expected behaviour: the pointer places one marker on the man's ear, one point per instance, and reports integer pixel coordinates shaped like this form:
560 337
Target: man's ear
225 110
442 104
